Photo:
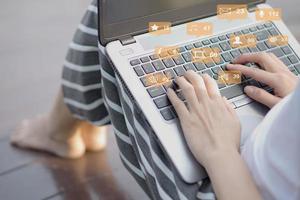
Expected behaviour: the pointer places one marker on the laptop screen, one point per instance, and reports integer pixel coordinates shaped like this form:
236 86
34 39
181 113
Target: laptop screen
141 8
124 18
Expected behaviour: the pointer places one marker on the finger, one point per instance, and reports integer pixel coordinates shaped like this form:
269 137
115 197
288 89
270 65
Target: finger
264 60
261 96
228 105
258 74
198 83
211 86
179 106
188 92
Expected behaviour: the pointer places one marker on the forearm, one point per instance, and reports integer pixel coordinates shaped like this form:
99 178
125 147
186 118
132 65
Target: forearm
231 178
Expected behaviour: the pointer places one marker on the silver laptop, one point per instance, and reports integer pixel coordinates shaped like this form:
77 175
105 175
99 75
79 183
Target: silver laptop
123 29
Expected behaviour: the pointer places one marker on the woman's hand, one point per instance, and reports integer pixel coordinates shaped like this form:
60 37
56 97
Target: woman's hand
209 123
274 73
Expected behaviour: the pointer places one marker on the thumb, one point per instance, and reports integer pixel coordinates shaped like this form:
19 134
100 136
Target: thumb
262 96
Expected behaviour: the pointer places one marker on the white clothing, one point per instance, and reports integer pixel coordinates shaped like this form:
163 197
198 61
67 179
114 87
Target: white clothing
272 151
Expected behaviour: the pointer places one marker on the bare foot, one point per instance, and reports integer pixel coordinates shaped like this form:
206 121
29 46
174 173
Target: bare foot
37 134
94 137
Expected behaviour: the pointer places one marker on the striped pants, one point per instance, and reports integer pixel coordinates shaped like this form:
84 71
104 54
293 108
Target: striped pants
93 93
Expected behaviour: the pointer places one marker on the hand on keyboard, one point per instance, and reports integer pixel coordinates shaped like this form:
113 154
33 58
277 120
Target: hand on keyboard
273 73
210 125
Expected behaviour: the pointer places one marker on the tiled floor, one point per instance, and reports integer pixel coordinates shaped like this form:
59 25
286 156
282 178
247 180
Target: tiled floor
34 36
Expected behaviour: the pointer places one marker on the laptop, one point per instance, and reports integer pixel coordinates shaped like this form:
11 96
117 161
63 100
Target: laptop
130 47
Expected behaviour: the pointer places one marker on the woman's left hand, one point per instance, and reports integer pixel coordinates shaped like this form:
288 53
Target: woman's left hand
210 125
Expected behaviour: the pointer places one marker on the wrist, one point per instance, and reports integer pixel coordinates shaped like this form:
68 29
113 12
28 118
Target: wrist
219 158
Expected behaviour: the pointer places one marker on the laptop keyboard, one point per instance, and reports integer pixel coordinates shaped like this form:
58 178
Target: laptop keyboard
153 67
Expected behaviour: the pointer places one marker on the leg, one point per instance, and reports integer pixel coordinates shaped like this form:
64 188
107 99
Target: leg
55 132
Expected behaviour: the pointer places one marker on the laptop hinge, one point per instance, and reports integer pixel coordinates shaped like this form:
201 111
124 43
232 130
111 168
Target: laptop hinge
252 8
127 40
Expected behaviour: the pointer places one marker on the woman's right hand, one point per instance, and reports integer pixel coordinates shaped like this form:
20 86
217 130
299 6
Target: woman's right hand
273 72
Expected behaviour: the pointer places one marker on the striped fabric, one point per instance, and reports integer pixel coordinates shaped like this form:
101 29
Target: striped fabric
93 93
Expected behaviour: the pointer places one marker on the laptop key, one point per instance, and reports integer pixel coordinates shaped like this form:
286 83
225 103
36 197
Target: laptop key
216 70
260 27
235 53
148 68
154 57
135 62
162 101
158 65
261 46
277 52
181 49
245 31
244 50
145 59
168 62
179 70
273 31
178 60
187 56
156 91
233 91
199 66
170 74
268 25
253 49
208 71
293 59
253 29
297 67
198 44
139 71
189 46
225 46
286 49
167 114
270 46
214 40
209 63
262 35
148 80
206 42
286 61
222 37
189 66
293 70
226 56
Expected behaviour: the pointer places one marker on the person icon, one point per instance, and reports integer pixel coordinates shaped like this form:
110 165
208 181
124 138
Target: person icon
237 41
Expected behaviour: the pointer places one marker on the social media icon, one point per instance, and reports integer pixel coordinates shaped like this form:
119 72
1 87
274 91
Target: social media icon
268 14
278 40
229 77
232 11
206 55
159 28
242 41
199 28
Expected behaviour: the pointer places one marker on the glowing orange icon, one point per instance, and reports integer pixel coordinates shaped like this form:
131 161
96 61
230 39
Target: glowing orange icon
243 41
266 14
278 40
229 77
159 28
199 28
156 79
166 51
206 55
232 11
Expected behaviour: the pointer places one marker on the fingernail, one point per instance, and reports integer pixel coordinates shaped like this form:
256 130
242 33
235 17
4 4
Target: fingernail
248 89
